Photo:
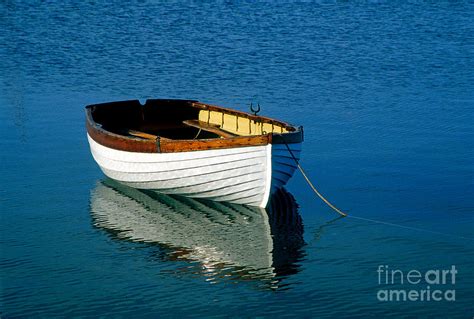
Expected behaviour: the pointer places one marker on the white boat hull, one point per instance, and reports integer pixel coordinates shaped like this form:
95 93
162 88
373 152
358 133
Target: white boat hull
242 175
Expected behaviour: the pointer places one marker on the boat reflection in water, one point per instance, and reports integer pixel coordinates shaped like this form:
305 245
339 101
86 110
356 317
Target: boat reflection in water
224 241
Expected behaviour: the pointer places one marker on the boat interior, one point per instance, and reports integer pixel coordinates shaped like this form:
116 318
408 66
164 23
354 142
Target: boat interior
180 120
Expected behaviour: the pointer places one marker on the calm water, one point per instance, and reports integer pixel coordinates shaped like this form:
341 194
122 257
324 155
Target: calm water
385 94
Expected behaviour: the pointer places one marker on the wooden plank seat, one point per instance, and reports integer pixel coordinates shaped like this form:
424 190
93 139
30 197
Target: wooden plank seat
142 134
213 128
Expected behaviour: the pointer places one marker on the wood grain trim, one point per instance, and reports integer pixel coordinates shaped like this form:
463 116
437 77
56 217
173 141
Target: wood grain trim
172 146
164 145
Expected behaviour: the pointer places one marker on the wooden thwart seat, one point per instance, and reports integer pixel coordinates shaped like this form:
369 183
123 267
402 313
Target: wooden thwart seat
142 135
213 128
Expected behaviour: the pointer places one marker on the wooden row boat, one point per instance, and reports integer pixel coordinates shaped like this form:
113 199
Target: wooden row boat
193 149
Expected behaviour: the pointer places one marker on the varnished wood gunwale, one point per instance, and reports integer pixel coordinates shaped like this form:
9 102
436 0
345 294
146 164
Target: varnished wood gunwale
165 145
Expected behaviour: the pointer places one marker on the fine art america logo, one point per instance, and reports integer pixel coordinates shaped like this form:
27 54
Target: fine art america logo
435 284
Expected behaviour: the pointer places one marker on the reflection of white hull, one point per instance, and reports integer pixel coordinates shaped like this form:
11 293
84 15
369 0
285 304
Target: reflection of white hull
245 175
210 232
219 240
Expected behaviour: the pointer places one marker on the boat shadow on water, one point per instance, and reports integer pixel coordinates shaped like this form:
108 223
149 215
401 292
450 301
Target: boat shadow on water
220 241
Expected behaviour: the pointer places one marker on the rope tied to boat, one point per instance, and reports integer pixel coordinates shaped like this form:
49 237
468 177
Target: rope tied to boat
311 184
363 218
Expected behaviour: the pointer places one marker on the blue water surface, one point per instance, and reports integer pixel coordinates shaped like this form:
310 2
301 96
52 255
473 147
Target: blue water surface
384 92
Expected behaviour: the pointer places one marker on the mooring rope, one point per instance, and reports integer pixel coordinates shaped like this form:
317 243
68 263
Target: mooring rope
363 218
312 186
410 227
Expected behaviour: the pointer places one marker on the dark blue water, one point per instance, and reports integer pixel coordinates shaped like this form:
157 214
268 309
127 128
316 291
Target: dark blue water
385 93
